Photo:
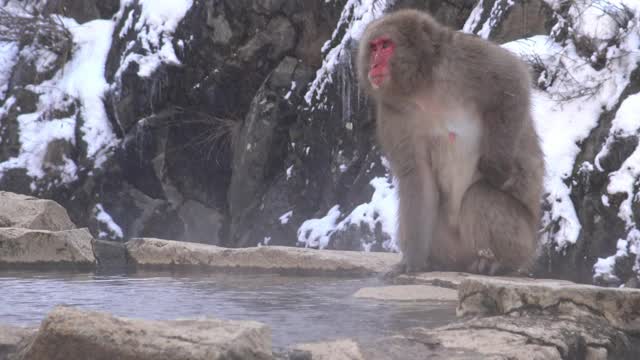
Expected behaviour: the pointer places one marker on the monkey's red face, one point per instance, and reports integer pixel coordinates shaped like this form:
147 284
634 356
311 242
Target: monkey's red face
382 49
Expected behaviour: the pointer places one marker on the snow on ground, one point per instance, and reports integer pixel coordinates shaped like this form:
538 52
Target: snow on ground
382 209
155 27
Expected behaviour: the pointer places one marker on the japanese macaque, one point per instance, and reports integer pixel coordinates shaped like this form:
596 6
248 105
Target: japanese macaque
454 120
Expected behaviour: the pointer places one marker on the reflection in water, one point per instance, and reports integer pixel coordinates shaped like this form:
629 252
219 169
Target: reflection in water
298 309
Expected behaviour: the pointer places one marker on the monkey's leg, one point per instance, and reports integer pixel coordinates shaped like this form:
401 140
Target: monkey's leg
495 221
418 212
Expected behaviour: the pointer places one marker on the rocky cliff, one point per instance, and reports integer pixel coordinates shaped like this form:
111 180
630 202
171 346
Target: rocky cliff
240 123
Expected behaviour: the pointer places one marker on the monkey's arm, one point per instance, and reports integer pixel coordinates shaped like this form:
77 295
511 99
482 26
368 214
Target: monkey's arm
418 213
503 126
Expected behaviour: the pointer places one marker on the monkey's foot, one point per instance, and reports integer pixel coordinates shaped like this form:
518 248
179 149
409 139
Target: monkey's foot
403 268
486 264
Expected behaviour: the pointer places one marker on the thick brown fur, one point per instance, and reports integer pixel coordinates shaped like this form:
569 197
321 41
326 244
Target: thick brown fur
473 203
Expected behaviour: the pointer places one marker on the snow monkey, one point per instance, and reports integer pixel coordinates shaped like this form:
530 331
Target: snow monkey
454 120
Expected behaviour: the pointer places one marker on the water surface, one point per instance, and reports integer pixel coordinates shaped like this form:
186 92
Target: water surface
298 309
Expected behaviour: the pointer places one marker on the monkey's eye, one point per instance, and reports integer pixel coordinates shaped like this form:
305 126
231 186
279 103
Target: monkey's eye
385 44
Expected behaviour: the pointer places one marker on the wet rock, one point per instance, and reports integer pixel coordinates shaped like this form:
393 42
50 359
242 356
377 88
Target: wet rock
22 211
111 256
71 334
619 307
407 293
12 339
156 253
344 349
25 248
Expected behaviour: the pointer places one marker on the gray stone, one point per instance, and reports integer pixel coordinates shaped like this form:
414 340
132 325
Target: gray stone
27 248
71 334
222 32
147 252
283 74
110 255
201 224
282 36
344 349
453 279
619 307
12 339
407 293
28 212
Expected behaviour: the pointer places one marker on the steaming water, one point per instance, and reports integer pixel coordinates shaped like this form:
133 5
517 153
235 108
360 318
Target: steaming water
298 309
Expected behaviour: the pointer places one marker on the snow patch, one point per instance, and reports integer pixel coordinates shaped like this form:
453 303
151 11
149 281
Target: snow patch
155 26
81 78
113 229
284 218
381 210
8 58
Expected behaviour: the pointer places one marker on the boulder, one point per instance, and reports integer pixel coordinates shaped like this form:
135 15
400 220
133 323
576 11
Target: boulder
28 212
618 307
12 339
71 334
407 293
110 256
499 337
156 253
26 248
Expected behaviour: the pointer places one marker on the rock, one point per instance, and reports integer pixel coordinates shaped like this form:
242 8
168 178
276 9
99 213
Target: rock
110 256
148 252
71 334
499 337
619 307
407 293
452 280
32 213
12 339
259 147
535 337
201 224
25 248
344 349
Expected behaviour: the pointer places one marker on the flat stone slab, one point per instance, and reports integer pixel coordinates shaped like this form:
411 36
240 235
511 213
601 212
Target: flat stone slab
25 248
492 296
72 334
22 211
148 252
453 279
407 293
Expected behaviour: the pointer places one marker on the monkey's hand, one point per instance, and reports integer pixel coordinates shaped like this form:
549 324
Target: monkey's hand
498 174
